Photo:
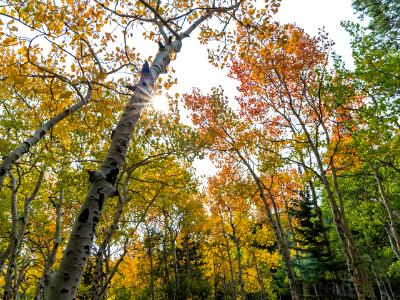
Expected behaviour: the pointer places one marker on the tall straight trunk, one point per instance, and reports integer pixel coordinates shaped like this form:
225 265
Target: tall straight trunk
231 270
238 257
216 278
392 219
175 260
151 270
358 275
283 248
240 268
18 233
44 279
360 278
150 255
65 281
277 229
356 269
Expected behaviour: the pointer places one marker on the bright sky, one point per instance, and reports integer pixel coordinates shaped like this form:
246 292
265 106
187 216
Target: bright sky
193 69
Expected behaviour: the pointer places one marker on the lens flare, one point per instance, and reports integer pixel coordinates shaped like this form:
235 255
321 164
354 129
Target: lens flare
160 103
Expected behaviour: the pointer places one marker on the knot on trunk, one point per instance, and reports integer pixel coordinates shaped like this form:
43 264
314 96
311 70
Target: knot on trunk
95 176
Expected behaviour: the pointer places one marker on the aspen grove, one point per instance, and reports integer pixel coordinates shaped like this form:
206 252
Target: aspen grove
100 196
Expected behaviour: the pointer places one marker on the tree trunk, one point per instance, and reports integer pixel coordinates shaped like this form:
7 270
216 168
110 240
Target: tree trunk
44 279
320 218
98 273
65 281
278 232
356 269
231 271
239 260
392 219
22 149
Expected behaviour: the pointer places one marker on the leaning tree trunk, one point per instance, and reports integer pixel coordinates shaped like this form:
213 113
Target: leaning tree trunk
24 148
65 281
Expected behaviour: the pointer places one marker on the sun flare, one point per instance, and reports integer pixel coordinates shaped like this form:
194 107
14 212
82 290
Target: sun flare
160 103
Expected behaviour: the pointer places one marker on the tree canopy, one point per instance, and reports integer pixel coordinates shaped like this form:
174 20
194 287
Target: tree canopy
98 191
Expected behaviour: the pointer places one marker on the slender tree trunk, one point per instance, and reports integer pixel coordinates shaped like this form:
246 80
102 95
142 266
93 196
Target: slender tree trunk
151 271
239 260
175 259
17 236
283 249
100 255
231 270
44 279
392 219
216 278
24 148
359 275
150 255
390 288
278 232
357 271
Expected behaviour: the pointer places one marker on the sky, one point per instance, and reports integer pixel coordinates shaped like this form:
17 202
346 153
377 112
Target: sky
193 69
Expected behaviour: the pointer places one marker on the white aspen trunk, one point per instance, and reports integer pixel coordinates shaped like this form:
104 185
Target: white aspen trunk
43 281
24 148
65 281
392 219
278 232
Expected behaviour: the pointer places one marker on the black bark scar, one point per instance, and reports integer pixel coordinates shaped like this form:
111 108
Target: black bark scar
84 216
